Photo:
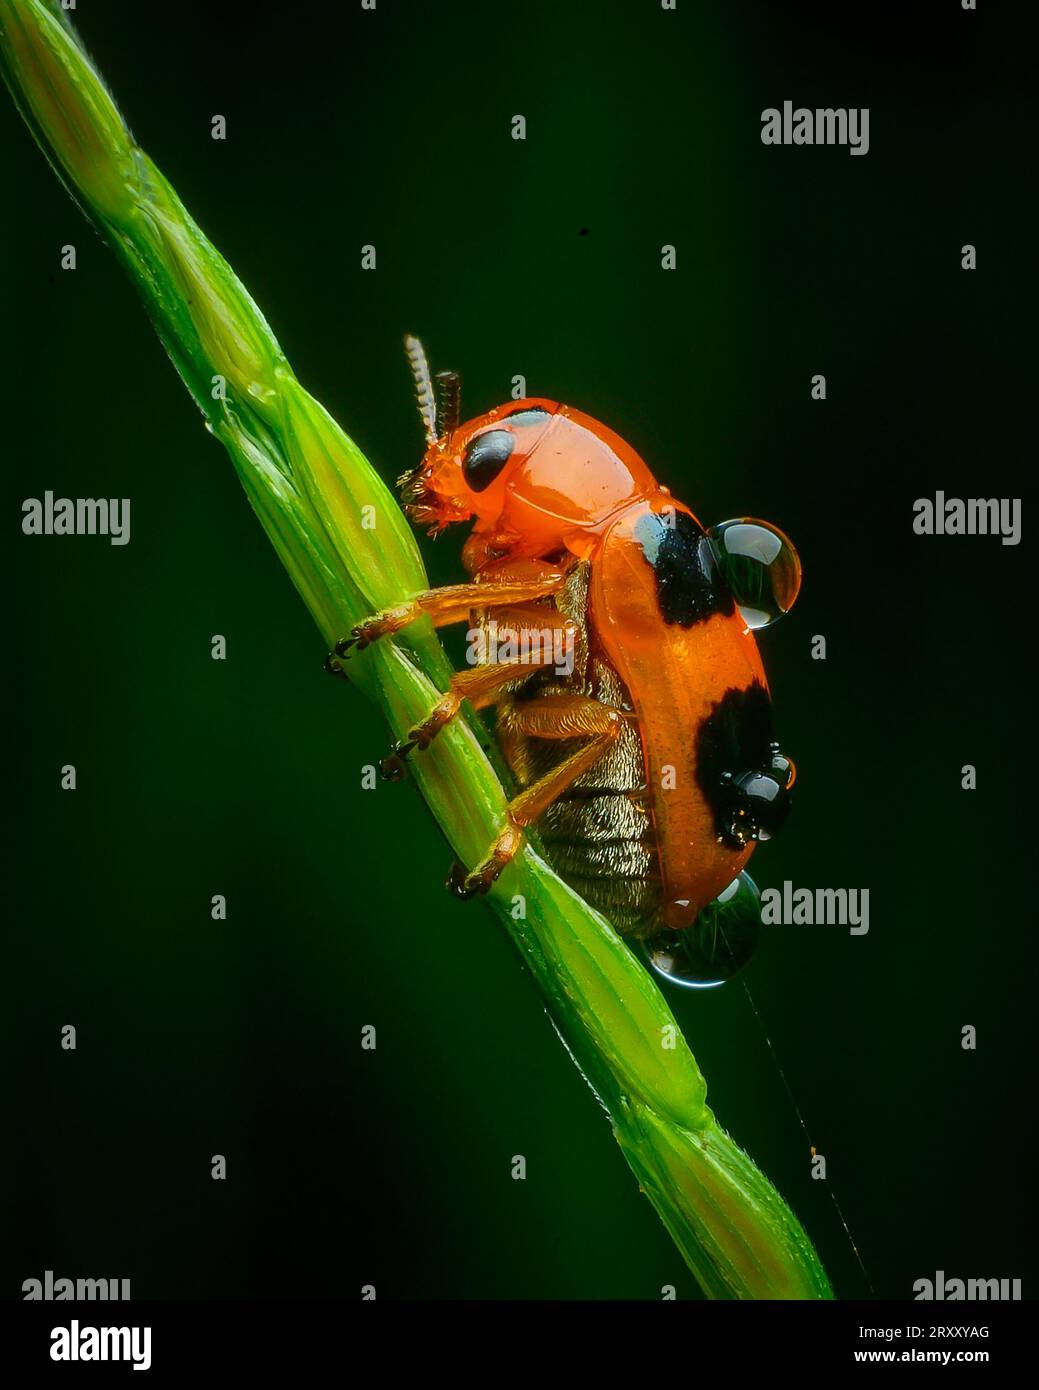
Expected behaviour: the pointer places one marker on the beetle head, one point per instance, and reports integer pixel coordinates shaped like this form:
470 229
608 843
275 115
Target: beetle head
466 467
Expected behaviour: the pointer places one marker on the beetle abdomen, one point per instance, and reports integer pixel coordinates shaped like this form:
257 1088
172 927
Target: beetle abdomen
599 834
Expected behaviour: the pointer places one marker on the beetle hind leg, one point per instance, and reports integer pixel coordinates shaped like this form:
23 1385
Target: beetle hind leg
484 684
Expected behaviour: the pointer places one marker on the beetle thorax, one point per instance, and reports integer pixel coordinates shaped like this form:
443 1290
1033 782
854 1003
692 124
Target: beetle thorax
538 477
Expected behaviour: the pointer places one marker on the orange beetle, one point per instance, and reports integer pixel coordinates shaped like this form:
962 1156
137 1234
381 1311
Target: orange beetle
628 633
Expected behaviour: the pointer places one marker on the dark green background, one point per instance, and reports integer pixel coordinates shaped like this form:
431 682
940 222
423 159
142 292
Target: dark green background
199 777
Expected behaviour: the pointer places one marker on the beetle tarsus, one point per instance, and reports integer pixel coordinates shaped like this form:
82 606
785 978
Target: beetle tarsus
457 882
394 767
466 885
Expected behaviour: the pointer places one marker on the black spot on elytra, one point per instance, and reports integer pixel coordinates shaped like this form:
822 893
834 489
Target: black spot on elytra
690 587
735 737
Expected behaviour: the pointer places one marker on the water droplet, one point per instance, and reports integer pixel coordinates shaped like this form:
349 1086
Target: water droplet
783 767
719 942
761 567
760 805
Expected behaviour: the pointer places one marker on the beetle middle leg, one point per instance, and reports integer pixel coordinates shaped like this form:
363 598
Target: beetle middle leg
481 685
549 717
542 633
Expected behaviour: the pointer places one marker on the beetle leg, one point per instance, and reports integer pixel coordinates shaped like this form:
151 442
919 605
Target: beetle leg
450 604
484 684
551 717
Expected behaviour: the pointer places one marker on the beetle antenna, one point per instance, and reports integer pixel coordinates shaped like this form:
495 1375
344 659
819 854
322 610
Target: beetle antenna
449 401
427 405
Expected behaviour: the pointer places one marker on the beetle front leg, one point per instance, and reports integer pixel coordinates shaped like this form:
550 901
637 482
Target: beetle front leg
451 604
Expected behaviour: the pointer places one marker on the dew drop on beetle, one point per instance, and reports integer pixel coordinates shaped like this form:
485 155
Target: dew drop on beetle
719 942
761 567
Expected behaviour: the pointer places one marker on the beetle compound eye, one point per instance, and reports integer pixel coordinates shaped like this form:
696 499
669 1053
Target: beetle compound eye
485 457
760 566
717 944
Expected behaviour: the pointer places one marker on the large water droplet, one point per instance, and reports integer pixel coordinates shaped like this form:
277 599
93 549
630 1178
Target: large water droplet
761 567
719 942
